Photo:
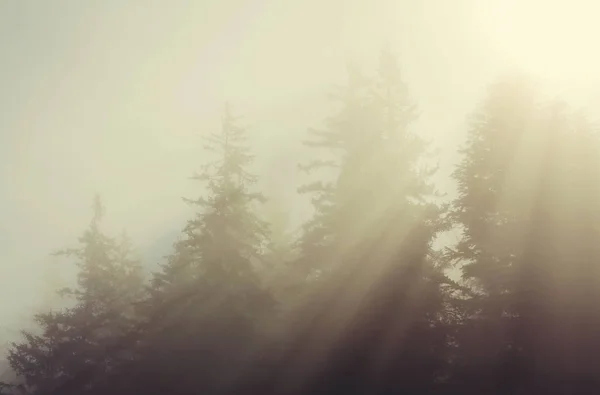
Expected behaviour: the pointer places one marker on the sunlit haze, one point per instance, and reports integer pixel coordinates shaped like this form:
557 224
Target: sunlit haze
115 97
551 39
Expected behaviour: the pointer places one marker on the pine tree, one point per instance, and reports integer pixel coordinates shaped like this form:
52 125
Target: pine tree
207 302
76 338
495 189
526 204
340 137
380 307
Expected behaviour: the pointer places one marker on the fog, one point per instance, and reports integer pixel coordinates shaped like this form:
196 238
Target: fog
114 97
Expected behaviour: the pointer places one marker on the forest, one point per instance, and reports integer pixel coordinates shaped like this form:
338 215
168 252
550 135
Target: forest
365 299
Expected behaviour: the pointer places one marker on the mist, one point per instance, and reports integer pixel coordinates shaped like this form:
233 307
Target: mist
116 98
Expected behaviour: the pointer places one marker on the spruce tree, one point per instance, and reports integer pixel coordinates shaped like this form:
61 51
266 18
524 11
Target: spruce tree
338 138
374 326
527 199
207 303
76 339
494 185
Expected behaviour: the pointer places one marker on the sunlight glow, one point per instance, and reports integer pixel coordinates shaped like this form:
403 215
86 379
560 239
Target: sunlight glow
552 39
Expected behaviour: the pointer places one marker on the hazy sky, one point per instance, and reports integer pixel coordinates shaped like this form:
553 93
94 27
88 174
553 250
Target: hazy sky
114 96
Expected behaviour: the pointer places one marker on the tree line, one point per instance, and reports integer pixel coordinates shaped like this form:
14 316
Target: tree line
362 302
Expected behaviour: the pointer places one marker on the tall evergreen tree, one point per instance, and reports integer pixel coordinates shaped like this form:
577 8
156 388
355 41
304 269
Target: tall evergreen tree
495 189
340 137
207 302
74 339
374 325
526 173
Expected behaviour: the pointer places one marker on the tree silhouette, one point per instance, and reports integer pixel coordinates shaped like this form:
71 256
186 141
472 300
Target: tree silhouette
525 176
373 324
109 281
207 303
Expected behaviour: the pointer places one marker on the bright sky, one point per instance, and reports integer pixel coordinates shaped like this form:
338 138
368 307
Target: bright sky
113 96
